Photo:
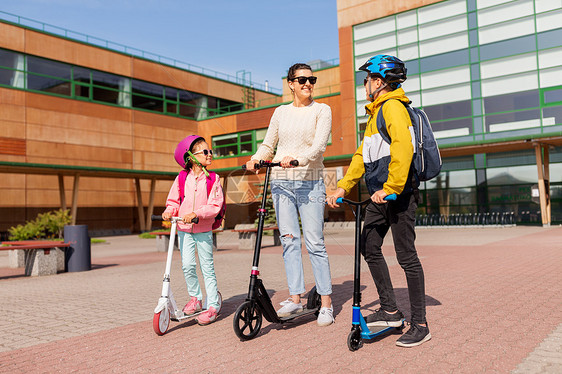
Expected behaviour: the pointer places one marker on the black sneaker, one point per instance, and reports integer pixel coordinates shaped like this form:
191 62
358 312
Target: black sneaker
382 318
416 335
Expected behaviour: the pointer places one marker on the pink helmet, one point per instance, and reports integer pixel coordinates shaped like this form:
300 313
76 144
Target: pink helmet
185 145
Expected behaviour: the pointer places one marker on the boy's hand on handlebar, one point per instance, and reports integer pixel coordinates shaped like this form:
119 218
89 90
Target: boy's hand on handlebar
331 200
189 217
166 216
378 197
286 162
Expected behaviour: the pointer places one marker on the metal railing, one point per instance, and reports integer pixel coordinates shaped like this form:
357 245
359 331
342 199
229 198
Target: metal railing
467 219
45 27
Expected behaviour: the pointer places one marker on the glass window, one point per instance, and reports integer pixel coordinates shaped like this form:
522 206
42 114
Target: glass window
513 121
444 61
523 157
512 175
453 179
549 39
225 145
448 110
552 116
11 68
147 96
105 87
512 101
49 76
458 163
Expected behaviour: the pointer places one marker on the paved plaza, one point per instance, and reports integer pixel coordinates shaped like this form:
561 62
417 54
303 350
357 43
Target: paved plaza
494 305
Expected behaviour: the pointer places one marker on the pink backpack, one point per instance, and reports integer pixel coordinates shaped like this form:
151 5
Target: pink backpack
211 179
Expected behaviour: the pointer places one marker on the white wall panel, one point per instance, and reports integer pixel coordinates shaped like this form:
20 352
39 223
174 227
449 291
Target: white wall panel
375 44
414 97
549 21
446 95
509 84
444 27
373 28
408 36
506 30
445 78
442 10
447 44
409 52
508 65
551 77
545 5
488 3
505 12
550 57
412 83
407 19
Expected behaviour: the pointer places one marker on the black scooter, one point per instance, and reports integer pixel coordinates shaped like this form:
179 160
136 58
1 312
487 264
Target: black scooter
247 320
359 328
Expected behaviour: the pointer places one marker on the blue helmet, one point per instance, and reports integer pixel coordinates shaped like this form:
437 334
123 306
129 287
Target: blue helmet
390 68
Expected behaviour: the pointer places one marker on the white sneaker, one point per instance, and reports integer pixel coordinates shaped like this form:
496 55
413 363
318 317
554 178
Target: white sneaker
285 302
289 308
325 317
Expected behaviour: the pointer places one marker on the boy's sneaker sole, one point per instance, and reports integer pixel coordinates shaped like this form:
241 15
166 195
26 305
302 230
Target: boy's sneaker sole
296 311
385 323
409 345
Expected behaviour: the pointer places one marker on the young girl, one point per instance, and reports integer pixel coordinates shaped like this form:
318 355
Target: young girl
193 154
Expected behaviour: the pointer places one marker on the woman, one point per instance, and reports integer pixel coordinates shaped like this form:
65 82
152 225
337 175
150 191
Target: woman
300 131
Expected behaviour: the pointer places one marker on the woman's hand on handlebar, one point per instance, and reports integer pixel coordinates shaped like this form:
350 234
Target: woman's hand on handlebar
331 200
166 216
251 166
286 162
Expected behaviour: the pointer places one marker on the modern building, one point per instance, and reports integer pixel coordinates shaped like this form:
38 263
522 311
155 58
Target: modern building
489 75
90 125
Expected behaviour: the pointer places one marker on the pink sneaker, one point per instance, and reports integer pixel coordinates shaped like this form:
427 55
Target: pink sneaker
193 306
209 316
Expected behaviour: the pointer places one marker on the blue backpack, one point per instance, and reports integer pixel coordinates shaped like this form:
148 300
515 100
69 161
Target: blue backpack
427 159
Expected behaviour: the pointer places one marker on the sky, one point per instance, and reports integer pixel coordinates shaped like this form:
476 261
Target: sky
260 36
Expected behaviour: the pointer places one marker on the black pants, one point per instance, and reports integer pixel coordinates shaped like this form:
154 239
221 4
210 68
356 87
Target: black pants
400 216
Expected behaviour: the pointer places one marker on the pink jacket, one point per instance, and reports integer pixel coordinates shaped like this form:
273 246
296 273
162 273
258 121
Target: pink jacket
196 200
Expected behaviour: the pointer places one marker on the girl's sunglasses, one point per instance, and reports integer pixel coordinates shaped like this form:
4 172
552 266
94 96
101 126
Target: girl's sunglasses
206 152
302 80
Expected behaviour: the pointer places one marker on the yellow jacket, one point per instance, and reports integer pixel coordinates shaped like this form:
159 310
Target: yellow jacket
385 166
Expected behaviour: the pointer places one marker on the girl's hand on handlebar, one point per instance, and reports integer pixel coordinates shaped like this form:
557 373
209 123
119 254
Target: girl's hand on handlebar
189 217
378 197
250 166
331 200
166 216
286 162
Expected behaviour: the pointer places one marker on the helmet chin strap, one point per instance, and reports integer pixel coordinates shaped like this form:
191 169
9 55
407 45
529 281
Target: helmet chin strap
192 156
373 93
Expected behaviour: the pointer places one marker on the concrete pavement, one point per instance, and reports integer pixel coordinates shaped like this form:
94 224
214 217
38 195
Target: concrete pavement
493 304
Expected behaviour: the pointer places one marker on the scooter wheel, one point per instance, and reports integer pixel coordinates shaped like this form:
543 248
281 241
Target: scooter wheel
161 321
354 340
247 320
314 301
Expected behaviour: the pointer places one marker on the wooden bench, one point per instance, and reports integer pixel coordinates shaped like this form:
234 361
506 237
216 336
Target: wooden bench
163 240
38 257
247 235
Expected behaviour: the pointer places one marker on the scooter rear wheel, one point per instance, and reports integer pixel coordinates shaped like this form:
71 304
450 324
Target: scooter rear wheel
247 320
354 340
161 321
314 301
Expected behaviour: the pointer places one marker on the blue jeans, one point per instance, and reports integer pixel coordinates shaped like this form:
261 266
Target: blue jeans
305 199
203 241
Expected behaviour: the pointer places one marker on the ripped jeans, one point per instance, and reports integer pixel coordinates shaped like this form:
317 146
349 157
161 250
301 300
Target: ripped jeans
291 199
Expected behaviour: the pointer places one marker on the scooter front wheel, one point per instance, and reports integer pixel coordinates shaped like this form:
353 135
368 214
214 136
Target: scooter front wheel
354 340
247 320
161 321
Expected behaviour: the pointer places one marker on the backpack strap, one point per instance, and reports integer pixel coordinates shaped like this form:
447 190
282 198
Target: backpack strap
381 122
212 178
181 184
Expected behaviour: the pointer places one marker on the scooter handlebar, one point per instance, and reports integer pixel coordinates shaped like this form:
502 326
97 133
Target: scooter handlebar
156 217
340 200
269 164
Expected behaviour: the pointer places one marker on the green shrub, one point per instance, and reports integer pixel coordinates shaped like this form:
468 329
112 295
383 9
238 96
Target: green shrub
47 225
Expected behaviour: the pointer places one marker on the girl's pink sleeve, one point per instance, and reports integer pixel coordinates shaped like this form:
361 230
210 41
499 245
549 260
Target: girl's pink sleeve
214 204
173 200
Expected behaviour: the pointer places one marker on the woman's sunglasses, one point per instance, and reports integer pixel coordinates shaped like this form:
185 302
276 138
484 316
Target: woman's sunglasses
206 152
302 80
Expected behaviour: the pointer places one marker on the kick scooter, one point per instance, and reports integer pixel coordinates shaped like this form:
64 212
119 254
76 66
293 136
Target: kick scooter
248 317
167 308
359 328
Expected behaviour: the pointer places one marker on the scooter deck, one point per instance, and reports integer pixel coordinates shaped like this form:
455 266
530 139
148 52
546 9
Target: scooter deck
370 332
187 316
304 312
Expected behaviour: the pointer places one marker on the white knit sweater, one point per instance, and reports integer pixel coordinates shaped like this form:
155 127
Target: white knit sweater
299 132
